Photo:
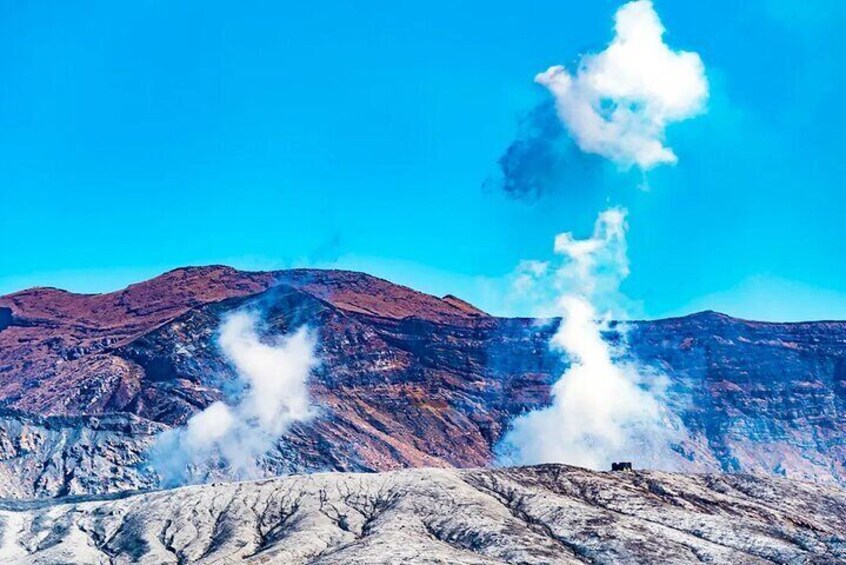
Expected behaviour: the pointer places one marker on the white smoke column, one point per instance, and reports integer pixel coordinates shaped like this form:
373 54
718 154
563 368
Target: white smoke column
620 101
275 395
602 409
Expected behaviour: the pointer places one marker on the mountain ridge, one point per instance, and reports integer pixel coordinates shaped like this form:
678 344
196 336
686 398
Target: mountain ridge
408 379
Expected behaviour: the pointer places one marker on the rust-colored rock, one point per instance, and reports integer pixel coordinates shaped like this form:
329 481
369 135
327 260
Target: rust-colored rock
409 379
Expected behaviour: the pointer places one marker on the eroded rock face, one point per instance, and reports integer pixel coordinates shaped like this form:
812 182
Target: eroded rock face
60 456
546 514
407 379
766 398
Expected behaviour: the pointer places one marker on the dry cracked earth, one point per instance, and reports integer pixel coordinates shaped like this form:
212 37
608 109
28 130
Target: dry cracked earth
543 514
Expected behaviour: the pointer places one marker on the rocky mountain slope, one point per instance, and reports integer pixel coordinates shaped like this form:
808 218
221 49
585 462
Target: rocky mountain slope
407 380
546 514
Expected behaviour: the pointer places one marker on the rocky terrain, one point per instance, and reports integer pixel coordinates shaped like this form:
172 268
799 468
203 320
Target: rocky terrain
407 380
61 455
545 514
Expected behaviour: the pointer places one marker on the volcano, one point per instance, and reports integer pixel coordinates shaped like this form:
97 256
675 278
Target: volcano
406 380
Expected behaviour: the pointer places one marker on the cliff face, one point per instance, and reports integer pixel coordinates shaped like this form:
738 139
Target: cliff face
407 379
534 515
769 398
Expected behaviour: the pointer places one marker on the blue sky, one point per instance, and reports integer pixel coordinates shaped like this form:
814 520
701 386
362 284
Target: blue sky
138 137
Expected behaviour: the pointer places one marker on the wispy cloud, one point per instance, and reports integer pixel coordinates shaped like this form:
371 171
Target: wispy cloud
603 407
274 376
542 158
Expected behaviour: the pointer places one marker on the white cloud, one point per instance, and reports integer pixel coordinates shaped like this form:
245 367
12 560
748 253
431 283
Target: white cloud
275 396
603 408
597 265
594 267
276 374
620 101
